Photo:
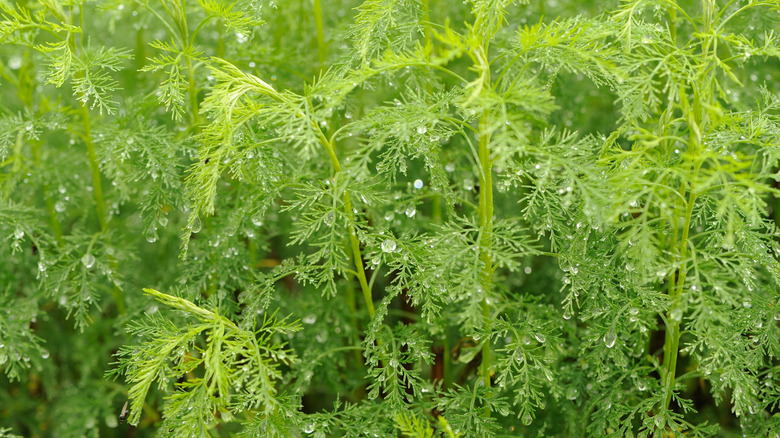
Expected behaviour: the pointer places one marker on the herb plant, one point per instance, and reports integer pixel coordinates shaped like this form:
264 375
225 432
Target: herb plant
408 218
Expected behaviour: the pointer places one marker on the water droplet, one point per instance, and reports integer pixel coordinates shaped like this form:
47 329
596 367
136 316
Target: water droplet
527 269
422 130
418 184
389 216
59 207
411 211
527 419
310 319
88 260
257 221
42 266
450 167
388 245
566 314
196 225
540 337
468 184
18 233
163 221
610 337
676 314
15 63
45 354
777 316
151 237
309 428
328 219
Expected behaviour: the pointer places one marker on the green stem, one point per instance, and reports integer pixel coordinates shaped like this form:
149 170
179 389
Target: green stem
56 227
94 167
322 49
426 17
486 240
357 257
193 92
672 338
97 184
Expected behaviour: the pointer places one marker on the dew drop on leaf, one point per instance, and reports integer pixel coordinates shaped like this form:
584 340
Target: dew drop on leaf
196 225
610 337
566 314
540 337
18 233
42 266
88 260
468 184
418 184
527 419
163 221
388 245
422 129
411 211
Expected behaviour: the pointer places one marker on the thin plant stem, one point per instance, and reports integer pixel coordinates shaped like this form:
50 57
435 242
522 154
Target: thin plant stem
360 272
486 224
672 339
322 48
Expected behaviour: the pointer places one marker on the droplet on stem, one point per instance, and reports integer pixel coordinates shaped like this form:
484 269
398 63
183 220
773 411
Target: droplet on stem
196 225
88 260
610 337
388 245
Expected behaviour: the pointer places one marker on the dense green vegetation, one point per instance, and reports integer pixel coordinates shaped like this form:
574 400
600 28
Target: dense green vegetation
389 218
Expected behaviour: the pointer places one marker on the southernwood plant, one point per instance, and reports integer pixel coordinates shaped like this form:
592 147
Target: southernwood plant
389 218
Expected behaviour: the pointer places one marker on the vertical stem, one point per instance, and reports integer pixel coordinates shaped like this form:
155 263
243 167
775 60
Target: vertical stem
94 167
193 92
672 340
357 257
486 239
97 184
56 227
322 49
426 17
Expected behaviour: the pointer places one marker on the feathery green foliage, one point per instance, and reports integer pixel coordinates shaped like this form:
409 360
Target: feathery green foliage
407 218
